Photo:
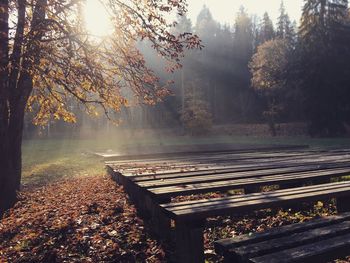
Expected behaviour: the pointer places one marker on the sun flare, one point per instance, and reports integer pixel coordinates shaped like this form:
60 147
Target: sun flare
97 19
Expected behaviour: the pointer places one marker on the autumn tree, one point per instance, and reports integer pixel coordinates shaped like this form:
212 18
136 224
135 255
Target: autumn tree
196 114
268 68
48 57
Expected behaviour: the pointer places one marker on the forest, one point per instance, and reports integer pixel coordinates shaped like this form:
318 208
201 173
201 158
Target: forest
255 71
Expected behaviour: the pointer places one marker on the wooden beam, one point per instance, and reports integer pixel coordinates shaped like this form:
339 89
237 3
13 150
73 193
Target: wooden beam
189 242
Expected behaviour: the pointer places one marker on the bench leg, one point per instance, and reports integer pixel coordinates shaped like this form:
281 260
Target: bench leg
113 174
343 204
160 222
133 192
144 206
189 242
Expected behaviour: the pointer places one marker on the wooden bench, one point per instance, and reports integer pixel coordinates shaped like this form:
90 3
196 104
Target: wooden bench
161 169
245 180
318 240
151 183
190 216
150 193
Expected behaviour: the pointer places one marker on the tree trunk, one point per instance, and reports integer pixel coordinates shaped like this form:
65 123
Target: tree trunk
6 199
11 163
15 89
10 175
11 155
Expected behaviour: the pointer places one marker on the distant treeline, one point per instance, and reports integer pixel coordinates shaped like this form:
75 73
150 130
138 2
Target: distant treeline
257 71
260 71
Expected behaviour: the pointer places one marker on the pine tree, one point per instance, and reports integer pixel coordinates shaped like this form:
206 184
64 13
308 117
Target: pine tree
243 44
184 24
289 31
281 21
243 37
267 31
324 37
206 26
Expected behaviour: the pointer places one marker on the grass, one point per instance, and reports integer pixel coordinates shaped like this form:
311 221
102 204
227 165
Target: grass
47 160
50 160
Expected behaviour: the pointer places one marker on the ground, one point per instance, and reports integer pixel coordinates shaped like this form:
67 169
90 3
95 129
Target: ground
76 220
70 211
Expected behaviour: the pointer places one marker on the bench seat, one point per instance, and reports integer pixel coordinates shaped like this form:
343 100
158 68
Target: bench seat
151 183
318 240
243 180
190 216
201 209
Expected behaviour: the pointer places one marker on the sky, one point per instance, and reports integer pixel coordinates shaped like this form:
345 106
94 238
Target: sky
223 11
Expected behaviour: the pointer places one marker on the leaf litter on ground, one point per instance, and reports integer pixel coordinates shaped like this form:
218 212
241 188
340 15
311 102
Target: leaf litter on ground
85 219
90 219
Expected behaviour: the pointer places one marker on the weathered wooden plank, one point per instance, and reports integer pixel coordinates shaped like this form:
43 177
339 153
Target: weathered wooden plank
185 215
212 159
149 172
224 206
242 200
187 181
322 251
236 198
219 157
229 156
198 157
230 243
237 168
294 240
197 152
196 188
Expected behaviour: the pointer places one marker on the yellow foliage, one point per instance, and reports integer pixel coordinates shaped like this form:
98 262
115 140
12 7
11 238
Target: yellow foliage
66 64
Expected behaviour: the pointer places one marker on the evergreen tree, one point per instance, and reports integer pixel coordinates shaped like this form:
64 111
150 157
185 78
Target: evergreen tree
281 21
243 42
289 31
206 26
324 67
285 28
243 36
267 31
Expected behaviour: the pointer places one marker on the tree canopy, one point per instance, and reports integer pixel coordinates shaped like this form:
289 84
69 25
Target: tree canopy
48 57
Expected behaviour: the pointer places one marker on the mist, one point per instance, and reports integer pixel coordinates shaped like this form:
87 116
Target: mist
212 98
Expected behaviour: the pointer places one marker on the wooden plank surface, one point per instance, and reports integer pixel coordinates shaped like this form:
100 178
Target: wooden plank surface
166 168
291 241
231 156
195 188
236 168
200 209
318 252
215 157
182 182
150 151
276 232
